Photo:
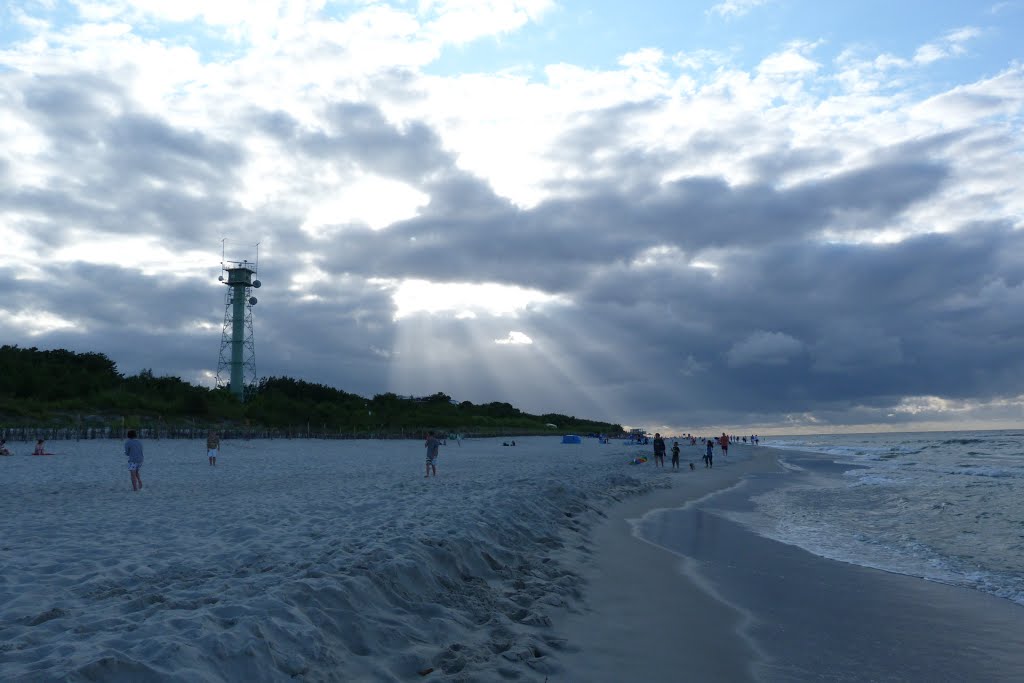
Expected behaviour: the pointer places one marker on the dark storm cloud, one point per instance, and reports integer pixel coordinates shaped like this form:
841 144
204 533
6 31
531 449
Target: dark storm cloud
358 136
337 341
137 321
781 162
122 171
817 326
149 322
469 234
881 191
67 107
142 145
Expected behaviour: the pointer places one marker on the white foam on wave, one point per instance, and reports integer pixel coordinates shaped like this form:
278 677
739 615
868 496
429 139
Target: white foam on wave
790 466
852 452
912 521
994 472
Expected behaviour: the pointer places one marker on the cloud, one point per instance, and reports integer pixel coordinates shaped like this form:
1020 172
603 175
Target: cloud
792 61
514 337
953 44
764 348
829 241
735 8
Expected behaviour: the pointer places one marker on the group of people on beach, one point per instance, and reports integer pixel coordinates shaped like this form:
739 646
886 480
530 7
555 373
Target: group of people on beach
709 453
40 448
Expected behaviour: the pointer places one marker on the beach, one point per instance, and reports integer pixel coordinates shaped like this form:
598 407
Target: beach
316 560
339 561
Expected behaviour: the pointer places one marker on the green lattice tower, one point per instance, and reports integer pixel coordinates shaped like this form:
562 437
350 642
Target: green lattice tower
237 362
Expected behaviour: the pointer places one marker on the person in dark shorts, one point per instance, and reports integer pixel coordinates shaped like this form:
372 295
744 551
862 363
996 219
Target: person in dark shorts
659 450
133 449
675 455
432 444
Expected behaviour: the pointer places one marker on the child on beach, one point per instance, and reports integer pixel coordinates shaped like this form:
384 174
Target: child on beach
133 449
675 455
3 447
40 449
212 446
432 445
709 454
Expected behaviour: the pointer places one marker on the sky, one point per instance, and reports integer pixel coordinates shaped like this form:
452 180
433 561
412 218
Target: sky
771 216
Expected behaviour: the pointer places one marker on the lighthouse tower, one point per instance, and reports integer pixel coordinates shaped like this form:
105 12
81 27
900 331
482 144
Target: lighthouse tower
237 364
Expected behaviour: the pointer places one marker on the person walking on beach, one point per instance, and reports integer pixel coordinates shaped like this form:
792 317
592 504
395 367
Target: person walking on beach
133 449
659 450
723 441
675 455
432 445
212 446
709 454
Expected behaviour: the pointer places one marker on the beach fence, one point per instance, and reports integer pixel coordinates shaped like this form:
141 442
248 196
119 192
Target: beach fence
155 430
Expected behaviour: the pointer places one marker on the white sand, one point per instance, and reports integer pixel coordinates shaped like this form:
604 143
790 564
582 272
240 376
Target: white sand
322 560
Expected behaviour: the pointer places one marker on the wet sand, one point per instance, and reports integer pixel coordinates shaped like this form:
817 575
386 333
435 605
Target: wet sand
643 619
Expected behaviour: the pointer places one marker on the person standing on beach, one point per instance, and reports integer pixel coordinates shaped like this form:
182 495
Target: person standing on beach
723 441
675 455
133 449
432 445
659 450
709 454
212 446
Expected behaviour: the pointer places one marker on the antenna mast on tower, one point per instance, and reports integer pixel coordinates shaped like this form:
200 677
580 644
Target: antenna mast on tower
236 366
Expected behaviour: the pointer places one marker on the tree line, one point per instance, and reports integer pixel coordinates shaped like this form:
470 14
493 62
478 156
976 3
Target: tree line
66 390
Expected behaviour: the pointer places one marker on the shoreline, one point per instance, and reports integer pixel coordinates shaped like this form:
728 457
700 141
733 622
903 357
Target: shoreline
676 591
641 618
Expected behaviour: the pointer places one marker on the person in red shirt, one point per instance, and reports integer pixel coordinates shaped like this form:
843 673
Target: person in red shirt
723 441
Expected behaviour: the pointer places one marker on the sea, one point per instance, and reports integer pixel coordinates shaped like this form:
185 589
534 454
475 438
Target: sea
943 506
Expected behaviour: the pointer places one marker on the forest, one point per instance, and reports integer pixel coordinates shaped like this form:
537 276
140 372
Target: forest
61 389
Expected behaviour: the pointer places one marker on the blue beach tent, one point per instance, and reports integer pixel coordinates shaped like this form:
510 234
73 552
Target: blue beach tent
571 438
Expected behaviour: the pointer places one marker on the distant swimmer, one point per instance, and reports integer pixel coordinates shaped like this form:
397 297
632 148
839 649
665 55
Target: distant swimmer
40 448
3 447
133 450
